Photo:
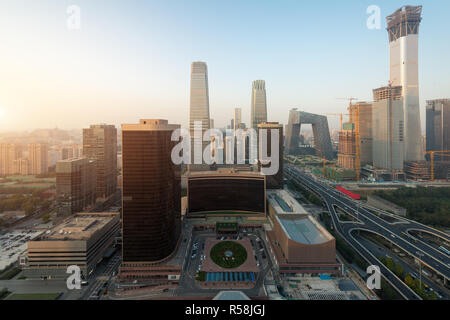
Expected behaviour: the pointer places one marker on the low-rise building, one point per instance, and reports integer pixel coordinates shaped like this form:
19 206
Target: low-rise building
81 240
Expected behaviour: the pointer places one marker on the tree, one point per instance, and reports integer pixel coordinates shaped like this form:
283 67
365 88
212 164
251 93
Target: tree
409 281
399 270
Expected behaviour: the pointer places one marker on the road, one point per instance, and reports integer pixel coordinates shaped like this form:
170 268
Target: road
396 233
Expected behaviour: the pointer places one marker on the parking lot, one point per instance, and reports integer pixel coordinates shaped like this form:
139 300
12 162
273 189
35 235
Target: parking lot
13 244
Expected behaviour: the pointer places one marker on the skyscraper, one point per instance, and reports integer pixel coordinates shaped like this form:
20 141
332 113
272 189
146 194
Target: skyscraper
100 144
38 158
151 193
403 29
388 128
438 125
237 118
75 185
199 100
259 104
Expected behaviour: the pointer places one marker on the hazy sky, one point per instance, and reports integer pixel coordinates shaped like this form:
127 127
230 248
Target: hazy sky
131 59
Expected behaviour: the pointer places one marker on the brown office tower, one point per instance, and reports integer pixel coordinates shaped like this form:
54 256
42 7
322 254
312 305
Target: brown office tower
272 181
151 193
75 185
100 144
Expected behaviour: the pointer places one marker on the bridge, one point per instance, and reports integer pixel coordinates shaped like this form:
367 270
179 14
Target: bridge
397 233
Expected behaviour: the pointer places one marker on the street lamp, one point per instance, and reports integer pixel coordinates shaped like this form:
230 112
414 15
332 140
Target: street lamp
420 254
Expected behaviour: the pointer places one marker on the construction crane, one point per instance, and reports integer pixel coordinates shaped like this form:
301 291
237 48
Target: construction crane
432 153
341 115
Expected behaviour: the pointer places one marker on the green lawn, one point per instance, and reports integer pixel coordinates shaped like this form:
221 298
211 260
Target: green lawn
33 296
237 253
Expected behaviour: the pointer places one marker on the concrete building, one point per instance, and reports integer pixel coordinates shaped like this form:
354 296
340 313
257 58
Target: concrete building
100 144
388 128
38 157
321 132
75 185
298 242
21 167
403 30
8 154
259 104
80 240
199 103
71 151
272 181
438 125
151 193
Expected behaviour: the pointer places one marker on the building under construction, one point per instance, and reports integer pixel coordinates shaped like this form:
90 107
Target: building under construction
421 170
361 112
347 147
355 137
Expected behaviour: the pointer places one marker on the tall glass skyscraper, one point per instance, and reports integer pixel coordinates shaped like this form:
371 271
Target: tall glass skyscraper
151 192
199 100
403 29
259 104
199 104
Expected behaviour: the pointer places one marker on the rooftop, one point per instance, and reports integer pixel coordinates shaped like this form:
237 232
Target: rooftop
80 226
283 202
303 229
225 172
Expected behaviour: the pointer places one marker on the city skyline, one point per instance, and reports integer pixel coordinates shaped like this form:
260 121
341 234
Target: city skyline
152 79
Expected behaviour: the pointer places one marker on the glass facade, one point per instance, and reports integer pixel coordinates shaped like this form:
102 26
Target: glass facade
151 192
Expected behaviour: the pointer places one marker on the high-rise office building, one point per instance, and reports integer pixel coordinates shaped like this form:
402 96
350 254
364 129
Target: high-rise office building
388 128
403 29
151 193
438 125
259 103
100 144
75 185
199 102
362 112
38 157
237 120
8 154
319 124
274 181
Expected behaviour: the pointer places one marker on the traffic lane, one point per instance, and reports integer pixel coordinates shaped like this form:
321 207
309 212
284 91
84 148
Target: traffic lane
440 266
389 254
